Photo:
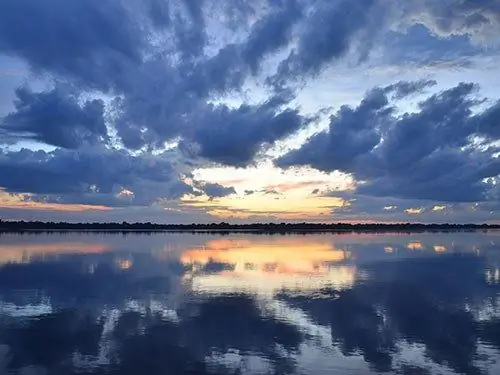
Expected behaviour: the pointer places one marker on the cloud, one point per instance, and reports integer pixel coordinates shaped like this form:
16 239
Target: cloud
423 32
167 94
353 132
403 89
328 35
89 41
439 208
474 18
417 46
233 137
429 154
55 118
24 202
190 29
414 210
93 175
158 62
270 191
368 208
214 190
182 72
271 33
440 34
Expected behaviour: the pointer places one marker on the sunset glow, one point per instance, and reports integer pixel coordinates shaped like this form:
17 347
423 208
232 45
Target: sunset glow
22 202
187 111
25 252
286 263
286 208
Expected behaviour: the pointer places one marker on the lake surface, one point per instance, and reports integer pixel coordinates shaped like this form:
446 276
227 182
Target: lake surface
250 304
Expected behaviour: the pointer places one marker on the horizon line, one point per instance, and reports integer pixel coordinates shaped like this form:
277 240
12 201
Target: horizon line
23 225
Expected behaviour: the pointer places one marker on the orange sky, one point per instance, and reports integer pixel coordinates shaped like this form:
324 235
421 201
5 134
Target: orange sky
18 201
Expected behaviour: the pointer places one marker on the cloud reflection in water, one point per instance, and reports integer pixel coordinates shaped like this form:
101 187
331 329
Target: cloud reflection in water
244 304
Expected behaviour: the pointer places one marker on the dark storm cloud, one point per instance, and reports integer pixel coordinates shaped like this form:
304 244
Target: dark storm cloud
234 136
165 101
416 31
85 40
162 95
159 12
353 132
487 122
152 54
423 155
167 105
271 33
190 29
94 175
55 118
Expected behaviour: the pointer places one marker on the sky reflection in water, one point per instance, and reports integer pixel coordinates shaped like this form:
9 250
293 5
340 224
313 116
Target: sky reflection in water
250 304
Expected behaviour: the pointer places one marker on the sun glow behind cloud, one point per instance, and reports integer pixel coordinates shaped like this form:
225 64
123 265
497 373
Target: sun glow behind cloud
137 106
266 175
285 207
268 191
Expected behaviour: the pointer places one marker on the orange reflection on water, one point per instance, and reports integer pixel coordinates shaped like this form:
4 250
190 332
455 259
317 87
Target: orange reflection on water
269 265
440 248
25 252
124 264
415 245
283 256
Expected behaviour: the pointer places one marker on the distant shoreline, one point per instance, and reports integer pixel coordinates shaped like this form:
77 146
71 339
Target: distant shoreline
263 228
248 231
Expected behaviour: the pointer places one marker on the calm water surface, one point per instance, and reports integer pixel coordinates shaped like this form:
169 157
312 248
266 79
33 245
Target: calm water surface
250 304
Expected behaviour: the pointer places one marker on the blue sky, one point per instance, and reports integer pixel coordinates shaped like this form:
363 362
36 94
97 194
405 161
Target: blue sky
263 110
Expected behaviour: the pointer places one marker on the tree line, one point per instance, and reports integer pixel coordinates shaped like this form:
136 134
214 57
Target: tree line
20 226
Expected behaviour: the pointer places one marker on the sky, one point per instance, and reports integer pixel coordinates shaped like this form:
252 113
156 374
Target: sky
181 111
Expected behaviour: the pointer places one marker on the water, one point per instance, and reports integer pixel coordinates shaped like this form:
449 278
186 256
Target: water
250 304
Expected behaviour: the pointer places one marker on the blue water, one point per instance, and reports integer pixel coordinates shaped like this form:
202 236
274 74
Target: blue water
250 304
